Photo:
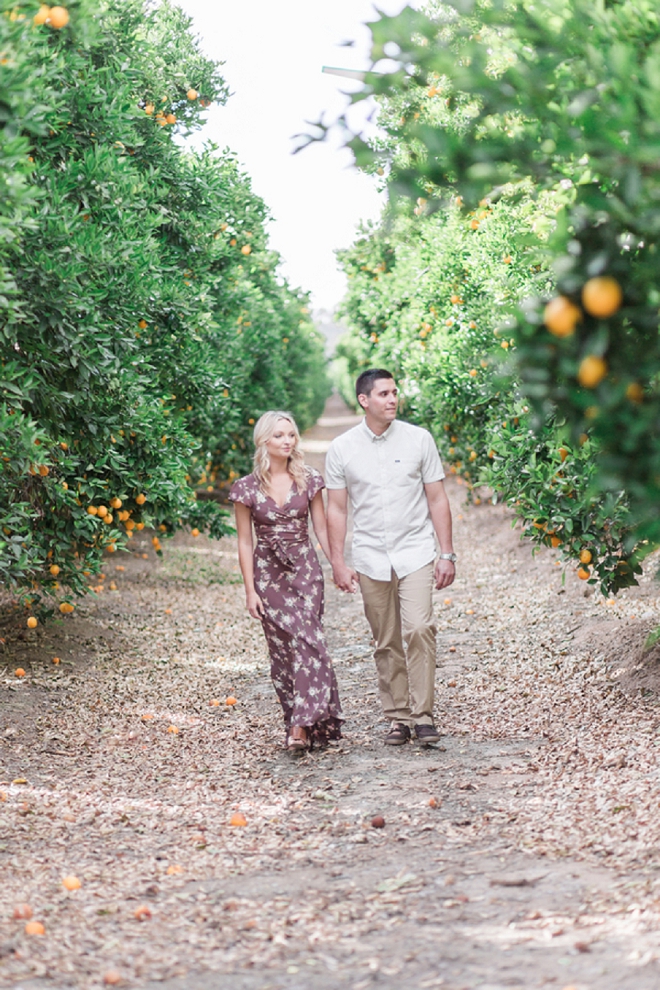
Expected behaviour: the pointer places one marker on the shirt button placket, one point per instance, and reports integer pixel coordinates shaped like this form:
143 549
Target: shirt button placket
382 465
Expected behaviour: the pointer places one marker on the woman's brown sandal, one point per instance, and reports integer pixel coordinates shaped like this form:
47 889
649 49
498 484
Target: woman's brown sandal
297 740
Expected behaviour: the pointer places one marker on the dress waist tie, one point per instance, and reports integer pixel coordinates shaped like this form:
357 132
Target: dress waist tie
282 545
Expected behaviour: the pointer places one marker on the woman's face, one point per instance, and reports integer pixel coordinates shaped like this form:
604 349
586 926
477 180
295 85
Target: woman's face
283 440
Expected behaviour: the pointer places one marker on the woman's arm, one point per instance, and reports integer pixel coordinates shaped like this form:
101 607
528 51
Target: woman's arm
246 559
320 523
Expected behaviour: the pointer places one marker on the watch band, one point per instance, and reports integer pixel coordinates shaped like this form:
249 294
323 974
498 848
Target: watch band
448 556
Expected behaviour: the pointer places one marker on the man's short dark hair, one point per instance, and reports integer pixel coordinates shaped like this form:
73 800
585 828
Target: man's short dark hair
366 380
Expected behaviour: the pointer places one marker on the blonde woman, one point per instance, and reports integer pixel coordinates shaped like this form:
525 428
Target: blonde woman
283 578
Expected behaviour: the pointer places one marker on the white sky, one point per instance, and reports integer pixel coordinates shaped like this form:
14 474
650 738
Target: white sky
273 54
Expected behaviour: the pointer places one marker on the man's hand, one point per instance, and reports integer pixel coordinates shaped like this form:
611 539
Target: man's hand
345 578
445 572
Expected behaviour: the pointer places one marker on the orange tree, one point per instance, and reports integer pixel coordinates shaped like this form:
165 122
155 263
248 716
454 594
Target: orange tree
562 97
126 264
427 298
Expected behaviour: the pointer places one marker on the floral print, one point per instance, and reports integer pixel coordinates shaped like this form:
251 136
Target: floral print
289 581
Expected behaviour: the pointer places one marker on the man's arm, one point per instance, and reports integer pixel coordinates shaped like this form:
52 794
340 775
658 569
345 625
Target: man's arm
436 496
344 577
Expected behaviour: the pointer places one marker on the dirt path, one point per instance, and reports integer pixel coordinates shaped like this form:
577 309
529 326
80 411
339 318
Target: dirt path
521 852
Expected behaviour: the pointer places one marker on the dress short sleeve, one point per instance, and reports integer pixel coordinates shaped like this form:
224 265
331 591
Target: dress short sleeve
315 483
242 491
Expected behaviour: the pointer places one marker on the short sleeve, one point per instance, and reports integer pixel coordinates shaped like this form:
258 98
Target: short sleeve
315 483
335 476
432 469
241 491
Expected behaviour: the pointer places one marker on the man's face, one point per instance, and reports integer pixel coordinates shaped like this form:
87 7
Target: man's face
382 402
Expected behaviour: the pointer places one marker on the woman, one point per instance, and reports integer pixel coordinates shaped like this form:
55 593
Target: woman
283 578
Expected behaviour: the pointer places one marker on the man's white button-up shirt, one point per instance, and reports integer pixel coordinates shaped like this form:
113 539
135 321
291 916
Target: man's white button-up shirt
385 477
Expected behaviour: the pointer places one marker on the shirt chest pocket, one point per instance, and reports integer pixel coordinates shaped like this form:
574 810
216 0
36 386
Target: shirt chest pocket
405 471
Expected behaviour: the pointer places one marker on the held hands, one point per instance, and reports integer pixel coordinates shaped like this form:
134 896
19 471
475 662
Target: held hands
345 578
445 572
254 605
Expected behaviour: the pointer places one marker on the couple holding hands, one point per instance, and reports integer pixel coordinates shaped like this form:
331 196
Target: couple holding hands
392 475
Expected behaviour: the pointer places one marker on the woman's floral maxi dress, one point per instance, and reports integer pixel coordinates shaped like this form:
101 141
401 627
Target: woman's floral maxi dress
289 581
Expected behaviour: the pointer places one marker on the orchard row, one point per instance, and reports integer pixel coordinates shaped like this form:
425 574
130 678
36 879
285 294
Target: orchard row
143 321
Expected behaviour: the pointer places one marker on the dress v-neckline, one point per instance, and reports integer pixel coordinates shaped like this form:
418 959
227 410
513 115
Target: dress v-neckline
288 496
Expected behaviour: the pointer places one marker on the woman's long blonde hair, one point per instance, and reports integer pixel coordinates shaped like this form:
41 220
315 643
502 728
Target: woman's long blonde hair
263 431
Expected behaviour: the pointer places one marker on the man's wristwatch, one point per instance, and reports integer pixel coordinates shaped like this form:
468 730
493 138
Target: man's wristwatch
448 556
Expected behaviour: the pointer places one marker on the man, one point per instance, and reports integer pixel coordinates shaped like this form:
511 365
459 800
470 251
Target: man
392 473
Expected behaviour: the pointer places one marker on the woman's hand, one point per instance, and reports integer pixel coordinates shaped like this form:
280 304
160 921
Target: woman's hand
254 605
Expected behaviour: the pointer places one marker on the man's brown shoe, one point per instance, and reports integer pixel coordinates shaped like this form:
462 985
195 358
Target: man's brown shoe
426 734
398 735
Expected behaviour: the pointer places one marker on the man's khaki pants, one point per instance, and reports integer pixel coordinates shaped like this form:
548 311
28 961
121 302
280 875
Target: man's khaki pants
400 612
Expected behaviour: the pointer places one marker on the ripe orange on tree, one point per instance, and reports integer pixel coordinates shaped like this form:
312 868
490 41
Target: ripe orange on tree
58 17
602 296
592 370
583 573
192 94
42 14
54 570
141 499
585 556
561 316
32 622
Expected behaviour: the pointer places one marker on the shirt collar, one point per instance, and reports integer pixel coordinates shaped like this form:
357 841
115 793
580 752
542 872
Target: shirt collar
373 436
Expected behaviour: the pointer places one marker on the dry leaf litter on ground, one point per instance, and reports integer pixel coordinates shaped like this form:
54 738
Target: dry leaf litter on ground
522 851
